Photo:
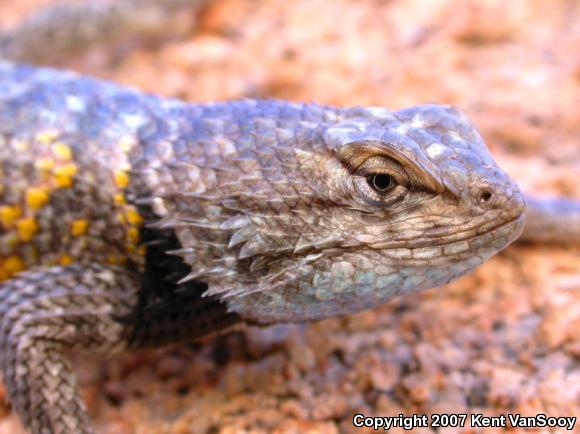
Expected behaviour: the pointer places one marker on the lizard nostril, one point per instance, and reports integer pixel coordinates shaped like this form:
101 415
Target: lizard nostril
484 196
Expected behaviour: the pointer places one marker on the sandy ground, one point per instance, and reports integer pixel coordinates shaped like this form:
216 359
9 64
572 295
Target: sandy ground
505 339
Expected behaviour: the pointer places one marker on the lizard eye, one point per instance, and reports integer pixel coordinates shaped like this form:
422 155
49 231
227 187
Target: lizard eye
381 182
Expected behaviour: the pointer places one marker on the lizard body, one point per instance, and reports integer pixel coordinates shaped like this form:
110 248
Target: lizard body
120 209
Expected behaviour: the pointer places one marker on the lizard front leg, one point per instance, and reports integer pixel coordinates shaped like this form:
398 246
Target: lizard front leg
45 314
49 313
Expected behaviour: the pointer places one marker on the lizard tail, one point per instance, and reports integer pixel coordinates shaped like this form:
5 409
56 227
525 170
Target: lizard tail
58 31
552 221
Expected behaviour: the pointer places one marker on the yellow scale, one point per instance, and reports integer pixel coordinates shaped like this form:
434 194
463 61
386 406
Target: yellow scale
19 222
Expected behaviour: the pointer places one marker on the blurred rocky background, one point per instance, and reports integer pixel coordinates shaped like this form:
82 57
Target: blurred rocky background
505 339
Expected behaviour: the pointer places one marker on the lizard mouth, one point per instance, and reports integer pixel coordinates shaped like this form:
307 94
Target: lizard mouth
510 229
475 236
495 237
486 241
489 235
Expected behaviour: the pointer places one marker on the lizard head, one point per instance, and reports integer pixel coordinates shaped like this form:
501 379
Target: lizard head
359 210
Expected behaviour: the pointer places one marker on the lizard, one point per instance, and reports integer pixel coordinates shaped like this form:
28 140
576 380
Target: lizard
131 221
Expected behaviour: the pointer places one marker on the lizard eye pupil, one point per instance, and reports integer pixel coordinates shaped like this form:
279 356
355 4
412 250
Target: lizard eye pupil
381 182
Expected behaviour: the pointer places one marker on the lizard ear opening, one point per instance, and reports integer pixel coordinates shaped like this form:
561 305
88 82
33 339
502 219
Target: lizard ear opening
354 154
